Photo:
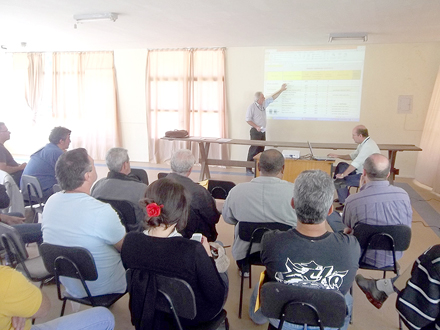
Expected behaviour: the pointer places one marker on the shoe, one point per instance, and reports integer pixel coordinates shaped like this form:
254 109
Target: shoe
249 171
374 295
245 274
336 200
340 208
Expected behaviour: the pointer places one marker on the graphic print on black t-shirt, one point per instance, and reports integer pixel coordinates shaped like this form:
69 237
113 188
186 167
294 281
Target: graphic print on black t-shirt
311 274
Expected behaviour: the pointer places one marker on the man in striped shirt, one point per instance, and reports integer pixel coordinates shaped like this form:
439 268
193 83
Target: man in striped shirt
418 303
377 203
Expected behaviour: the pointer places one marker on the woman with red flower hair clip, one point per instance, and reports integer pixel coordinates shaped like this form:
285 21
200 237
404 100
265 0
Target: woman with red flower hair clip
160 249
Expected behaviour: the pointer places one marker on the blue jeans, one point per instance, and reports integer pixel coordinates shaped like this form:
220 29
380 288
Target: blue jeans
259 318
342 185
96 318
335 222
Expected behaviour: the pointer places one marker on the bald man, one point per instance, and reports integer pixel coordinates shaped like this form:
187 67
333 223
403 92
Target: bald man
349 175
377 203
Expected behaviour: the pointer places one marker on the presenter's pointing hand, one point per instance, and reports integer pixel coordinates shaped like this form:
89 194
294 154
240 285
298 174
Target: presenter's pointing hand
283 87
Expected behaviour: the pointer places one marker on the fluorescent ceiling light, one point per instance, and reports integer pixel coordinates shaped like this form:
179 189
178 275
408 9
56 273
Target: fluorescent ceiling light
95 17
361 36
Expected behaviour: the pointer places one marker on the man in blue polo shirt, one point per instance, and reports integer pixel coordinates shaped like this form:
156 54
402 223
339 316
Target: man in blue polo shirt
42 163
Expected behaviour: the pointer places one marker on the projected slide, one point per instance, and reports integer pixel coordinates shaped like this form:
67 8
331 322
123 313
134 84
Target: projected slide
322 84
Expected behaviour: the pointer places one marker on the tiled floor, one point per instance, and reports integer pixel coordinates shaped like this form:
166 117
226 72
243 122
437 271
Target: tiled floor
365 315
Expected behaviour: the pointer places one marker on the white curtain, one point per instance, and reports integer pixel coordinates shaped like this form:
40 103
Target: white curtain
84 99
35 81
428 161
186 90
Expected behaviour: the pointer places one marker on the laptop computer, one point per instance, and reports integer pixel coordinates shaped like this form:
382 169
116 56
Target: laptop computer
318 157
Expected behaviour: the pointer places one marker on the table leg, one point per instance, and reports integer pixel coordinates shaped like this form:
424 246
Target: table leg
204 168
393 171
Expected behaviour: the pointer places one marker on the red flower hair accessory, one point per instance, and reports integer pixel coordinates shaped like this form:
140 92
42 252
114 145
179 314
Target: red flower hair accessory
154 210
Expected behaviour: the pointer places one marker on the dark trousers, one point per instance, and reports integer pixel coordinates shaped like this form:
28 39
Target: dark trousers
342 185
17 177
255 150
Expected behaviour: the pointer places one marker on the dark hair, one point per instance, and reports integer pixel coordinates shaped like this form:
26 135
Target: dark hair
362 131
71 167
176 202
59 133
271 161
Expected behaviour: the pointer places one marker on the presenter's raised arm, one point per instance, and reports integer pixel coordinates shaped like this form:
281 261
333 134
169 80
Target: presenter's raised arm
282 89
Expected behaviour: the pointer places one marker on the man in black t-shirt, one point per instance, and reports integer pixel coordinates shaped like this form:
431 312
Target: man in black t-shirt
309 255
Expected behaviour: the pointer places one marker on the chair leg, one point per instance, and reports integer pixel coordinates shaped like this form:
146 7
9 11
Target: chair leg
250 276
64 306
241 295
400 323
226 323
352 307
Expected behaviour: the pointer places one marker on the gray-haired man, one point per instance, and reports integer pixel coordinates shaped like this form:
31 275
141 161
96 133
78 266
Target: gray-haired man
118 184
310 255
203 213
256 117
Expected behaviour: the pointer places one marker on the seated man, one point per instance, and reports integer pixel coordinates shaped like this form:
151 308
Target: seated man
310 255
74 218
118 185
7 162
42 163
203 212
349 175
417 301
22 301
377 203
264 199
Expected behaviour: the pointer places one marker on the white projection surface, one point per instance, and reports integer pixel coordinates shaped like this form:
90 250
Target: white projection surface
322 84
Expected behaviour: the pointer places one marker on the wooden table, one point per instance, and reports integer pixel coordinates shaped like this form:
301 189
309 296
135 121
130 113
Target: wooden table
293 167
204 144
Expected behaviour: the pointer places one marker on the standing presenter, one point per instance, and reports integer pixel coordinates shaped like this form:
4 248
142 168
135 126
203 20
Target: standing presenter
256 117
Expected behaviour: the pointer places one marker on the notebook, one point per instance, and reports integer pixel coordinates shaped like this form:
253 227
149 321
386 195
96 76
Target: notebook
318 157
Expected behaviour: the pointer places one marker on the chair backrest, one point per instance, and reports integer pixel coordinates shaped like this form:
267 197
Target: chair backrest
126 212
303 305
390 237
75 262
161 175
220 189
140 174
31 188
13 244
177 293
253 231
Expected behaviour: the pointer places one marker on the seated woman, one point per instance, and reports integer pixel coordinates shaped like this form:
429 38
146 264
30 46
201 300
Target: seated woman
160 249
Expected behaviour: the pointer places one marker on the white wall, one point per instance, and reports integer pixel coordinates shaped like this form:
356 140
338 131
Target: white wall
390 71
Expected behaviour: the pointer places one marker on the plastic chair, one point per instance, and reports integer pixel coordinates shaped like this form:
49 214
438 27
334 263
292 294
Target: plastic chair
18 257
220 189
252 232
161 175
176 297
140 174
303 305
32 194
387 238
126 212
75 262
